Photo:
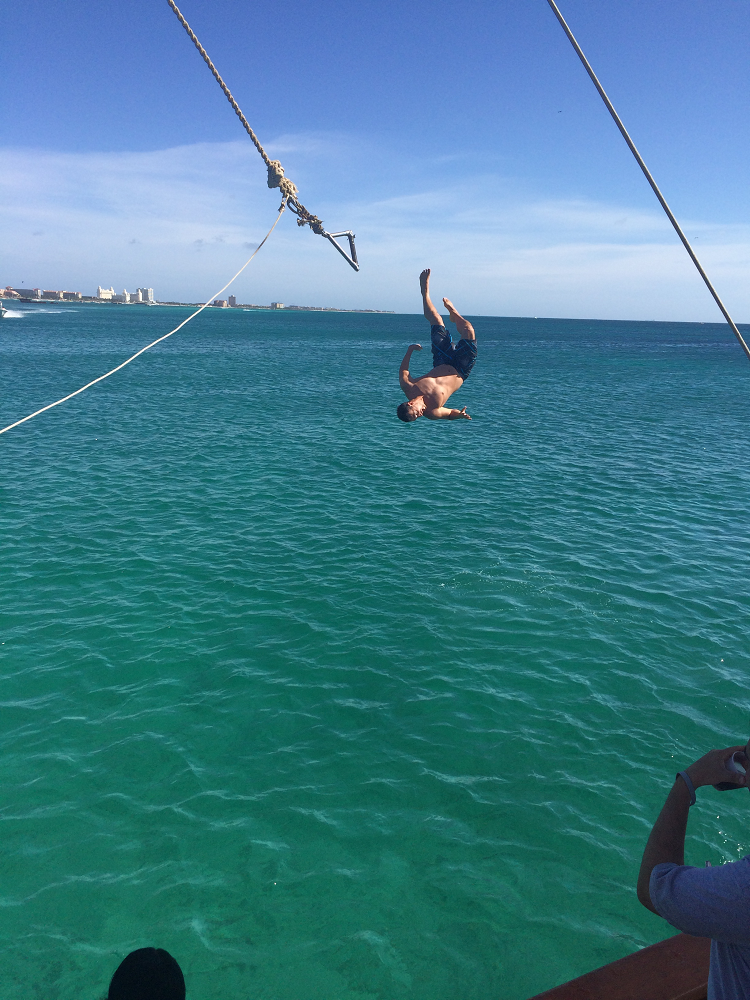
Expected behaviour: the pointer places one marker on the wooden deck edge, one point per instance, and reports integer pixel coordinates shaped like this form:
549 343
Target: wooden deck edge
699 993
675 969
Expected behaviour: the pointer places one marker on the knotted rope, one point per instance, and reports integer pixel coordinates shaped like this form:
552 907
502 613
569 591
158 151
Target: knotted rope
153 342
647 174
276 178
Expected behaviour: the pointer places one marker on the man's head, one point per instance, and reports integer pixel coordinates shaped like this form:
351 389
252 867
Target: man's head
147 974
411 409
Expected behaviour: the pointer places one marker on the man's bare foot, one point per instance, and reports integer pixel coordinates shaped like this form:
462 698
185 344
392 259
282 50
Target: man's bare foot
452 311
424 282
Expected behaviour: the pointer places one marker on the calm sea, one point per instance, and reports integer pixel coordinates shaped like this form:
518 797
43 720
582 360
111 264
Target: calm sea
336 708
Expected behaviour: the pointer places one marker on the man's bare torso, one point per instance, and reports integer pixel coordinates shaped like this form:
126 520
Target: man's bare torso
437 386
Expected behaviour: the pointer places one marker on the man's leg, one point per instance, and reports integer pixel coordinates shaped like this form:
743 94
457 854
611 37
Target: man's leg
465 355
432 316
442 351
463 326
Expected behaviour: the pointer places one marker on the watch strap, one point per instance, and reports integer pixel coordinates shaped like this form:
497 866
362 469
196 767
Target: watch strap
690 786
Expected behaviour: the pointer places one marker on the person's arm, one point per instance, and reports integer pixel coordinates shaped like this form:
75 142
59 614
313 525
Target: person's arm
404 380
667 839
446 413
666 843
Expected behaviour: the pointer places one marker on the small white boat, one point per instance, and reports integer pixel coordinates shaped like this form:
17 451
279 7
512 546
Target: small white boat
3 310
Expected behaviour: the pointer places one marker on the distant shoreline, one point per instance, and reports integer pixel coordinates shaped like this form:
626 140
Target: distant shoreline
10 302
245 307
250 307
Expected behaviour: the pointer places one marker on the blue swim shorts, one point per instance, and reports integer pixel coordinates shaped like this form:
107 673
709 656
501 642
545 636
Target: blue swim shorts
462 356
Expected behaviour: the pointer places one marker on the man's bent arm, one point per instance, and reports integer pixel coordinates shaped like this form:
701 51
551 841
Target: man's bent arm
404 380
666 843
667 839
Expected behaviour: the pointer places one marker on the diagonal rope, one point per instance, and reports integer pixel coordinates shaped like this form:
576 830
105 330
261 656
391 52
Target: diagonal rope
647 173
276 178
227 92
153 343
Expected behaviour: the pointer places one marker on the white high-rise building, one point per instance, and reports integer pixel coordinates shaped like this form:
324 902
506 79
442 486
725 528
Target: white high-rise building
109 295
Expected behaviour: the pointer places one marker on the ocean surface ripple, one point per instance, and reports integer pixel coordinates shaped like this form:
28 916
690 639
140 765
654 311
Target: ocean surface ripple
335 708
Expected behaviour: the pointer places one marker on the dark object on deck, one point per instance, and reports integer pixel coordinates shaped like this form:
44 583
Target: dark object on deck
675 969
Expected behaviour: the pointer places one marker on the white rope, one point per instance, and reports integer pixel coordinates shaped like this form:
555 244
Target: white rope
647 173
153 343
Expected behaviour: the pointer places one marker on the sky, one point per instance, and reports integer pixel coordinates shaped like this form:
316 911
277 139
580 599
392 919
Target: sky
461 136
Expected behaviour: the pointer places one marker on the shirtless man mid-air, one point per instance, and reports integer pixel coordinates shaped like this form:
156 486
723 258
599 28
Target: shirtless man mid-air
427 396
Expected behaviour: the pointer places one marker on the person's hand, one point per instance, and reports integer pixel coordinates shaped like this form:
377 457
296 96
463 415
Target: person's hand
464 414
415 347
711 768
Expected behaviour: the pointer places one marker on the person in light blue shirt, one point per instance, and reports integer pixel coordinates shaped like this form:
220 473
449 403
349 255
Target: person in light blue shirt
707 902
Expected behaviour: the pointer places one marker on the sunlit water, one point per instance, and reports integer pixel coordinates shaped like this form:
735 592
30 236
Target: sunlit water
336 708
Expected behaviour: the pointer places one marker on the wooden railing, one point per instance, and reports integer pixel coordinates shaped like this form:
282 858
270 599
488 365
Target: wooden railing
675 969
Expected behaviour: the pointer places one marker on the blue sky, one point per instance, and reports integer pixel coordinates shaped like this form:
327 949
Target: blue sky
465 137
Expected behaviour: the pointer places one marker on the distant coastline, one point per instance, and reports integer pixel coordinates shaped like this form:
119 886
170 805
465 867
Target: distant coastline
277 307
246 307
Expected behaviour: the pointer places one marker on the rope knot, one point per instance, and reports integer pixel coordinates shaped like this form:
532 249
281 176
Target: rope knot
313 222
276 179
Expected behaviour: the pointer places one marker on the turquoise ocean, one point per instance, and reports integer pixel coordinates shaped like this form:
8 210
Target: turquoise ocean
336 708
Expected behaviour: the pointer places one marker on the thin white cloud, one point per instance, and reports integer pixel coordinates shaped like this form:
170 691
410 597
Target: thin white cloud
182 220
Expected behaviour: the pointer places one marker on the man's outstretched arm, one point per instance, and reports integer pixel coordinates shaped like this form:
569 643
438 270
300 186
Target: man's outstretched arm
431 314
446 413
404 379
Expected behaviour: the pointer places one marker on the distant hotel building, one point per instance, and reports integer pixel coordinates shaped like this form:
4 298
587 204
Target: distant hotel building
37 294
110 295
65 296
277 305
